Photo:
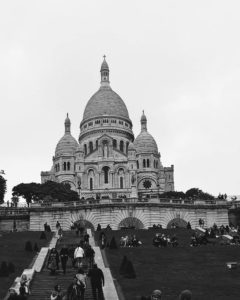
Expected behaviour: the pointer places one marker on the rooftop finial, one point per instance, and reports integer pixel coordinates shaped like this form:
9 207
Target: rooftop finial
67 124
143 122
104 72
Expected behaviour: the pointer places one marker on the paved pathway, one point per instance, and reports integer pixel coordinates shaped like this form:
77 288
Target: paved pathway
43 283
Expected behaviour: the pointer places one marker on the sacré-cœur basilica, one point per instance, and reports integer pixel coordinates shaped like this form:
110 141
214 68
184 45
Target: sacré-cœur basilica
119 178
107 161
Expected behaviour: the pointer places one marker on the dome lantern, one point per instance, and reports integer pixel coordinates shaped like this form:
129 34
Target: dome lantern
67 124
104 73
143 122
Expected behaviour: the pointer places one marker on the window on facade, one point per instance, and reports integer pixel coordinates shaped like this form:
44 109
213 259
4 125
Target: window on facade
121 182
148 164
126 124
144 163
121 146
96 144
106 170
85 149
120 122
91 184
85 126
127 143
68 165
137 164
64 166
90 147
156 164
114 143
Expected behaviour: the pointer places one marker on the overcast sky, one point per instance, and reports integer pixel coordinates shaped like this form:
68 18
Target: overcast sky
177 60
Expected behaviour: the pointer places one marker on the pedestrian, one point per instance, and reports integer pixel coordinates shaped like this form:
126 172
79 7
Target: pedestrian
64 257
53 261
81 281
78 255
57 226
97 282
90 253
73 291
185 295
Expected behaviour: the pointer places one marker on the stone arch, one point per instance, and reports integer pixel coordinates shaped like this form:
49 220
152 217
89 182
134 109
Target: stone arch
88 217
84 223
71 183
177 222
131 222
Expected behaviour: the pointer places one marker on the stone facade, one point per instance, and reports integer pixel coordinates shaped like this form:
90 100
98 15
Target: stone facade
107 161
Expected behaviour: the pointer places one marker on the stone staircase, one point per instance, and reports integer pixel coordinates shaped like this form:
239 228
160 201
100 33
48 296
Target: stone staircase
43 283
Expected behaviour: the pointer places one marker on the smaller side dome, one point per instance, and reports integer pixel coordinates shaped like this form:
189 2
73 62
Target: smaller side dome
144 142
67 144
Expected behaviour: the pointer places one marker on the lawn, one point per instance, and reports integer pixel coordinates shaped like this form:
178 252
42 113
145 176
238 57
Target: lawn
12 249
202 269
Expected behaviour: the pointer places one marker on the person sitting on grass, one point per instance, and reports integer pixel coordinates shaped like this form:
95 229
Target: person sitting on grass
185 295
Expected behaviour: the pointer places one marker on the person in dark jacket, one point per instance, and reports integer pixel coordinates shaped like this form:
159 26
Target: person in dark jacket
74 291
64 257
97 282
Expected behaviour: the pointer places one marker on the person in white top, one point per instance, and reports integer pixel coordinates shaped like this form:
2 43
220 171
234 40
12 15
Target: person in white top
78 255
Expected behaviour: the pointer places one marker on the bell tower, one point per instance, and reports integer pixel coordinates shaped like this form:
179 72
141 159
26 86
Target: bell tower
104 73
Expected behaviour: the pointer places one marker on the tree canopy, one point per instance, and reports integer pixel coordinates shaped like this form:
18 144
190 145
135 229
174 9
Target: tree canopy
3 188
48 191
193 193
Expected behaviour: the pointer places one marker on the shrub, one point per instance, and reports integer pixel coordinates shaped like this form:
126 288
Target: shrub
123 265
129 271
4 270
28 246
11 268
43 236
113 244
35 248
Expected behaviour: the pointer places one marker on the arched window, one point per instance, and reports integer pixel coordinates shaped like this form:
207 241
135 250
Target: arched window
127 143
64 166
144 163
90 147
91 184
121 146
106 170
121 182
137 164
156 164
114 143
68 165
96 144
85 149
55 168
148 164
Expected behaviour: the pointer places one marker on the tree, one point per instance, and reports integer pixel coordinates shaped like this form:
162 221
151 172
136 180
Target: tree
28 191
48 191
3 188
123 265
129 271
173 195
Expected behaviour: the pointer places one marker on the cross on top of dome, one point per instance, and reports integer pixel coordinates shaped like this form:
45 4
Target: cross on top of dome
104 72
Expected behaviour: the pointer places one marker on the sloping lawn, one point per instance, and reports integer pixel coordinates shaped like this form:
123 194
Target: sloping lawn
202 269
12 249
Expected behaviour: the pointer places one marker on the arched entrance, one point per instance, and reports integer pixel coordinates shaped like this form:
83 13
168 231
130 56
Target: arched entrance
131 222
177 223
84 223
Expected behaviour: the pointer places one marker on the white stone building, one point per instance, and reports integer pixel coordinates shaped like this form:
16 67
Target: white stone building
107 161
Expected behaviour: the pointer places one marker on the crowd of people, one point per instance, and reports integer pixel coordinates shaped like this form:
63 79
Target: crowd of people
130 241
163 240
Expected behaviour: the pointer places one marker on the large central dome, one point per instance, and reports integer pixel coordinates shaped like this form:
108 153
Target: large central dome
105 102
